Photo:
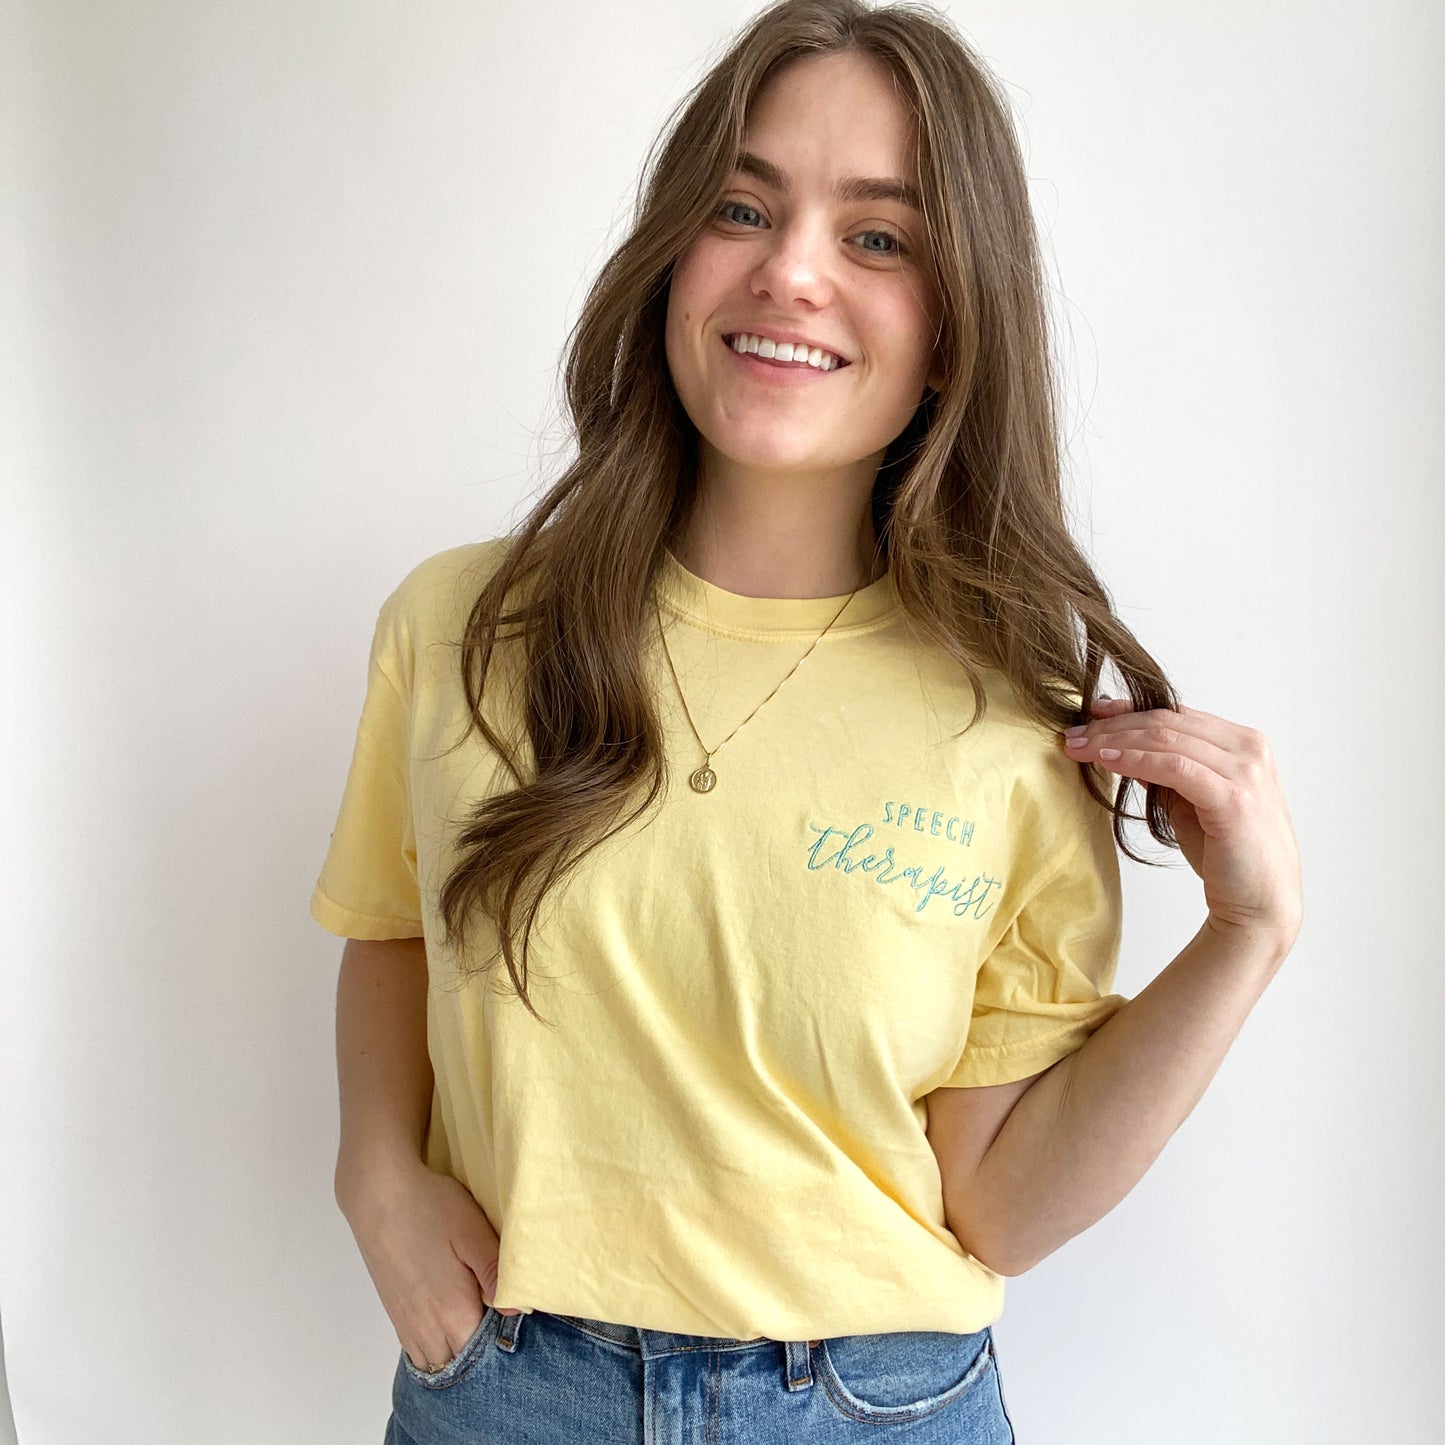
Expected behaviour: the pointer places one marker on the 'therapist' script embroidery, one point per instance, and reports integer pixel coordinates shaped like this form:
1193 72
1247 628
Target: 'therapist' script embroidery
846 850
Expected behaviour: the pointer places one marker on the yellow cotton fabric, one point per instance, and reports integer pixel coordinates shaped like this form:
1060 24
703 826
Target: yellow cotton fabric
752 990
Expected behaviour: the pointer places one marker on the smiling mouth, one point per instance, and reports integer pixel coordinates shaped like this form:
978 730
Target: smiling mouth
799 362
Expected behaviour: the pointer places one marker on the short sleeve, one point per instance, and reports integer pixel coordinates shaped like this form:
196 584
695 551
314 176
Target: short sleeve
1045 986
368 883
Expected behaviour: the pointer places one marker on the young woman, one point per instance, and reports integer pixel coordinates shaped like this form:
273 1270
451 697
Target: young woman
732 907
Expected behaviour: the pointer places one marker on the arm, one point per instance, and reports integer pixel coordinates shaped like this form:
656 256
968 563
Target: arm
962 1126
1027 1166
384 1073
427 1244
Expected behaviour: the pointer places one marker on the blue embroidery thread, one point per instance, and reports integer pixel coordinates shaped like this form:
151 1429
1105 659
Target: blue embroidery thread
929 820
968 898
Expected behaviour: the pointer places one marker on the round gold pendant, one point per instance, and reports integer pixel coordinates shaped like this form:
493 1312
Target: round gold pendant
704 780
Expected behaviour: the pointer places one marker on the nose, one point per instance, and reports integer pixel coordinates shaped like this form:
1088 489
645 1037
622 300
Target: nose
795 267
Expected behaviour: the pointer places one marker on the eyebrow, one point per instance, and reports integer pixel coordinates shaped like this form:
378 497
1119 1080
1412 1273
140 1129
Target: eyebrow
850 188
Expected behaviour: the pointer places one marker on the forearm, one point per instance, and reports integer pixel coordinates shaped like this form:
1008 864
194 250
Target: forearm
384 1073
1084 1133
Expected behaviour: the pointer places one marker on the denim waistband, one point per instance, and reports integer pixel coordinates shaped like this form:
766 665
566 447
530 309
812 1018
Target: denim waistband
651 1343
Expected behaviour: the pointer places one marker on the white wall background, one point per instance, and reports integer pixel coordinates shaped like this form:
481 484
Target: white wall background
284 285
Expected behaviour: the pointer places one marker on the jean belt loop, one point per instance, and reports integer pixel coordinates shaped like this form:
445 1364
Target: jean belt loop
799 1367
509 1332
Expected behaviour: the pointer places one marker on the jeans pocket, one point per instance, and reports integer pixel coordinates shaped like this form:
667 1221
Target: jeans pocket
903 1375
459 1364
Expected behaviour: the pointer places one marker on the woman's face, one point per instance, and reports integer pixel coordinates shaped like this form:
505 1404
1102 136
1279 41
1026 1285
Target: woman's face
790 253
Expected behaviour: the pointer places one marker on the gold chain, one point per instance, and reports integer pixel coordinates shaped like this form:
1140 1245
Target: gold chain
704 779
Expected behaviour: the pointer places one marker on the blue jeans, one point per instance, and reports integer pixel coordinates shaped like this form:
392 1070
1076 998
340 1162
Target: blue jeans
549 1379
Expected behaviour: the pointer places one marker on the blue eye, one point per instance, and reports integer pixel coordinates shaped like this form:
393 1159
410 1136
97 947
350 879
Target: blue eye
736 206
897 248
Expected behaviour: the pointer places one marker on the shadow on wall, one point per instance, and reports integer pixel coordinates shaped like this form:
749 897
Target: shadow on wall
7 1415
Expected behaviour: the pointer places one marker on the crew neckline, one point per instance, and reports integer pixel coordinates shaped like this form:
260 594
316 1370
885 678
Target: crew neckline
711 606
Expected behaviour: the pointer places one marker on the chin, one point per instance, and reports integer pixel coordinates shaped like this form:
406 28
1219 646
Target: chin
780 459
772 446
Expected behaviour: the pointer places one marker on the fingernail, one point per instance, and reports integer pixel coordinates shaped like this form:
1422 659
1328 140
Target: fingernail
1075 730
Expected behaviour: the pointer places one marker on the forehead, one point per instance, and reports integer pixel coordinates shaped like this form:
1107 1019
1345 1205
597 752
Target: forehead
832 117
845 188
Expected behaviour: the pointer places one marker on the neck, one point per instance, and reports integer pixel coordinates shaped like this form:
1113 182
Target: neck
782 536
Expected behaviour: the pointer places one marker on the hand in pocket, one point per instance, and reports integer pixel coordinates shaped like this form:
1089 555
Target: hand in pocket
432 1255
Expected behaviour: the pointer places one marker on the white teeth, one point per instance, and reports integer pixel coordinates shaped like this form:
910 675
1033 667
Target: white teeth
785 351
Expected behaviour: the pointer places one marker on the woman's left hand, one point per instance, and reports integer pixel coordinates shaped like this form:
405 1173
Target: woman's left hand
1225 804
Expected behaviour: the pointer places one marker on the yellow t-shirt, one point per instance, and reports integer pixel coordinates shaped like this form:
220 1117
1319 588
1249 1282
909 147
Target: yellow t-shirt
753 988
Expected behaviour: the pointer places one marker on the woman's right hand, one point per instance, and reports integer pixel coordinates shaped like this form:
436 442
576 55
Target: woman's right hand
432 1255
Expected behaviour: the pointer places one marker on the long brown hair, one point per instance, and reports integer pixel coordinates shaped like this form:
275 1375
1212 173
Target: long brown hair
967 505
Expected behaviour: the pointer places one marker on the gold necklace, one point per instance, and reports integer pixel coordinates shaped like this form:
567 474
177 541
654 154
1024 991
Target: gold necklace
704 779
